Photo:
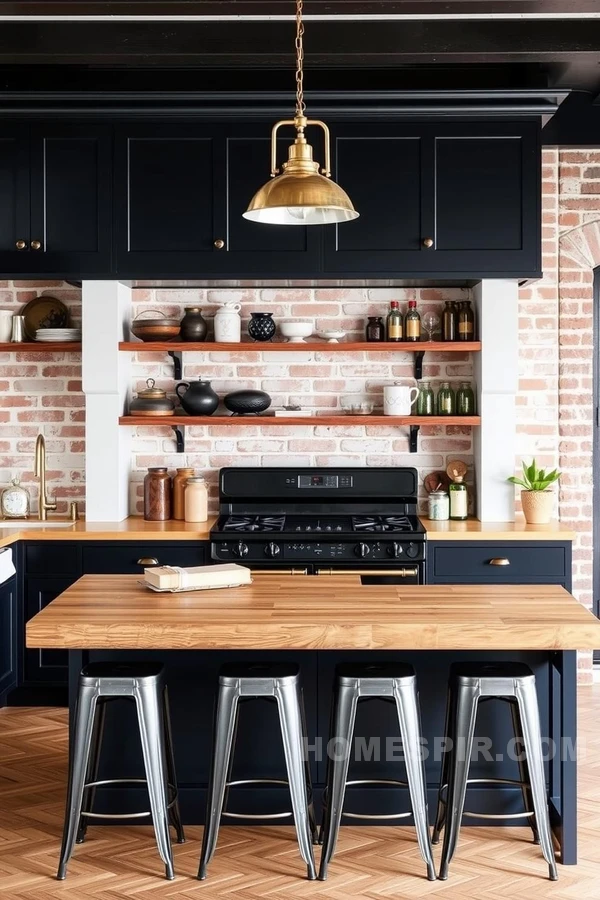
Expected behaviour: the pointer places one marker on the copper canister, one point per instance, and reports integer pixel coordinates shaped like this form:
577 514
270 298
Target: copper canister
179 483
157 495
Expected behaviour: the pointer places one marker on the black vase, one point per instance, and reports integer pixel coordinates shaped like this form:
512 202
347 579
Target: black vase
261 326
193 325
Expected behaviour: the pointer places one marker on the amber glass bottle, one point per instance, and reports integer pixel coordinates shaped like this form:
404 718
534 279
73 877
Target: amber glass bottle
466 322
412 322
394 322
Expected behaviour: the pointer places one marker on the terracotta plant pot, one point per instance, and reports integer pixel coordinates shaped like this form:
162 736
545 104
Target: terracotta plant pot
537 506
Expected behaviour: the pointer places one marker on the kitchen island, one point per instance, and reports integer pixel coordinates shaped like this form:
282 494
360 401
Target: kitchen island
319 622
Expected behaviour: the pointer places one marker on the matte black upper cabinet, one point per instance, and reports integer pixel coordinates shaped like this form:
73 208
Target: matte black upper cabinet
179 197
437 200
55 216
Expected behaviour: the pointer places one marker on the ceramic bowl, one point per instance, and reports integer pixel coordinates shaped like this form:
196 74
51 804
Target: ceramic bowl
332 337
295 332
244 403
357 406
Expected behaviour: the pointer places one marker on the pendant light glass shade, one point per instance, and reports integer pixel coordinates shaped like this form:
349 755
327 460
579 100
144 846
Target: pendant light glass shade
301 194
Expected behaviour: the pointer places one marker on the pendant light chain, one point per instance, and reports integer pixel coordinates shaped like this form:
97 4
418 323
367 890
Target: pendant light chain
300 104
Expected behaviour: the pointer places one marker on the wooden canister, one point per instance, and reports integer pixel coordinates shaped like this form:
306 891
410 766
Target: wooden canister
157 495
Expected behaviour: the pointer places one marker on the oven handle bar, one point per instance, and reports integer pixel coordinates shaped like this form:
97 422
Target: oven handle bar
391 573
281 571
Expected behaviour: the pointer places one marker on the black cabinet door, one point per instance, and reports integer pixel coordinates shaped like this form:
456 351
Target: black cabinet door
487 199
48 666
71 204
252 248
381 168
14 191
165 200
8 635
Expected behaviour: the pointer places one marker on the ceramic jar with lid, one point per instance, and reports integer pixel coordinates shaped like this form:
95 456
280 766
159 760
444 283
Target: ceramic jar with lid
196 499
151 402
261 326
439 506
179 485
228 324
197 397
193 325
157 495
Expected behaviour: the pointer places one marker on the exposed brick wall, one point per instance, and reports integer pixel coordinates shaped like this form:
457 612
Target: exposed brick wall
317 380
42 392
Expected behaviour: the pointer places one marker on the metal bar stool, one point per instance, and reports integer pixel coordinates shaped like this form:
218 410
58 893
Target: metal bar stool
469 684
279 682
142 683
397 683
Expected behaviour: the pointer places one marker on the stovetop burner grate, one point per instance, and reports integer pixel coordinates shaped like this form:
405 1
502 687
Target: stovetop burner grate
254 523
382 524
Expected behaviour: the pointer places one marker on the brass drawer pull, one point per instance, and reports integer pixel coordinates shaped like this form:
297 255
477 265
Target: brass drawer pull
36 245
499 561
21 245
219 244
428 243
147 561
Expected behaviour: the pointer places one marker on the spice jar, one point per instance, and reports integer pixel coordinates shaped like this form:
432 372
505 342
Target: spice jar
157 495
375 329
179 485
196 499
446 401
425 400
439 506
465 400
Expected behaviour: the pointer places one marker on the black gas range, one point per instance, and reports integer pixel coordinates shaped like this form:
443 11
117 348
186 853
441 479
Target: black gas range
321 521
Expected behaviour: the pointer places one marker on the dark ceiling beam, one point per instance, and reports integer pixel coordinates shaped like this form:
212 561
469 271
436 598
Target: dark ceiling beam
327 44
235 8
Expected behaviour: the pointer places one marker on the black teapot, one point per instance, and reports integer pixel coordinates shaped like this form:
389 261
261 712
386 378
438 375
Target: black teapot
197 397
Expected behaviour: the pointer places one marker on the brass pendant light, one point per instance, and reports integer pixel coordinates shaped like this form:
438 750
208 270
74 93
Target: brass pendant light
300 195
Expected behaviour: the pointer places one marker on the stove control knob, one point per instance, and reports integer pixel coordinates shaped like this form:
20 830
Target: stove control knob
412 550
395 550
362 549
272 549
240 549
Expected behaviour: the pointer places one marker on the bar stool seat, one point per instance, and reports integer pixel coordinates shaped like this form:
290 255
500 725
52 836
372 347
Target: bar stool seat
143 684
279 682
469 684
355 683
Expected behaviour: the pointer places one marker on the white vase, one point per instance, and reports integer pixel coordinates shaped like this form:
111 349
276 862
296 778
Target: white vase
5 325
228 324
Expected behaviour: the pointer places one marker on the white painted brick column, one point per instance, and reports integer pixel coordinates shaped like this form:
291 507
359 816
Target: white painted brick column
496 373
106 384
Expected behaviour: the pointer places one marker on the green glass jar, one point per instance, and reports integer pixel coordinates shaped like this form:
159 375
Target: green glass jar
425 400
446 400
459 500
465 400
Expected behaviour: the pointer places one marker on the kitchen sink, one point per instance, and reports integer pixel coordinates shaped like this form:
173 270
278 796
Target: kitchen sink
19 524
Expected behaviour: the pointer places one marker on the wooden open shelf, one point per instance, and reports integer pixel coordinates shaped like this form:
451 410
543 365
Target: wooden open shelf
41 347
300 420
341 347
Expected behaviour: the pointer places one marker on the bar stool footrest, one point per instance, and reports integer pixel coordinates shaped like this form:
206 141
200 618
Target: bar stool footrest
474 815
173 792
234 815
391 816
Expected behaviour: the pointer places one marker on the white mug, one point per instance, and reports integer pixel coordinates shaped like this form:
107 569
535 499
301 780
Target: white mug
5 325
398 399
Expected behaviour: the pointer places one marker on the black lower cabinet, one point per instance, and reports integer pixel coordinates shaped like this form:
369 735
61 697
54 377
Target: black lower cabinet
8 638
44 666
488 562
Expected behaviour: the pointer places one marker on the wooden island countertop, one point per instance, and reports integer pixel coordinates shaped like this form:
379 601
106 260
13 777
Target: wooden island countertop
278 612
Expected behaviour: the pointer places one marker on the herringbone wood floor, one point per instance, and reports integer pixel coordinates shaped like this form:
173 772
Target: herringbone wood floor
253 863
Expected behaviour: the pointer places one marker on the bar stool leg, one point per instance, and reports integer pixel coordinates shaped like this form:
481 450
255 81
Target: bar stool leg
466 711
530 720
225 723
440 816
89 794
152 731
312 819
344 717
407 706
82 738
174 814
289 704
523 768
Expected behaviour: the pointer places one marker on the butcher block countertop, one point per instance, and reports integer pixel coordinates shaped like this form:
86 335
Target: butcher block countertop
135 528
474 530
310 613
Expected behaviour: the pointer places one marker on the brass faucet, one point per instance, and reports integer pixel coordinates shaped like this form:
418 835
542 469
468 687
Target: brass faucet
40 472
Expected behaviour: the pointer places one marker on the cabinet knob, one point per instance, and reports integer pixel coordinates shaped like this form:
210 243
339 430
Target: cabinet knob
219 244
21 245
147 561
428 242
499 561
36 245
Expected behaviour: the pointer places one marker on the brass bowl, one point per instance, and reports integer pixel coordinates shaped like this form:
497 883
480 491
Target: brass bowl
163 329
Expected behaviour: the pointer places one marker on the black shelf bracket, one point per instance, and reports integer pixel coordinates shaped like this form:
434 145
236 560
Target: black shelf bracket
179 432
413 438
419 364
176 356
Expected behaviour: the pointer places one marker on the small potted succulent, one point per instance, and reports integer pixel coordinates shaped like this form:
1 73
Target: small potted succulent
536 499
